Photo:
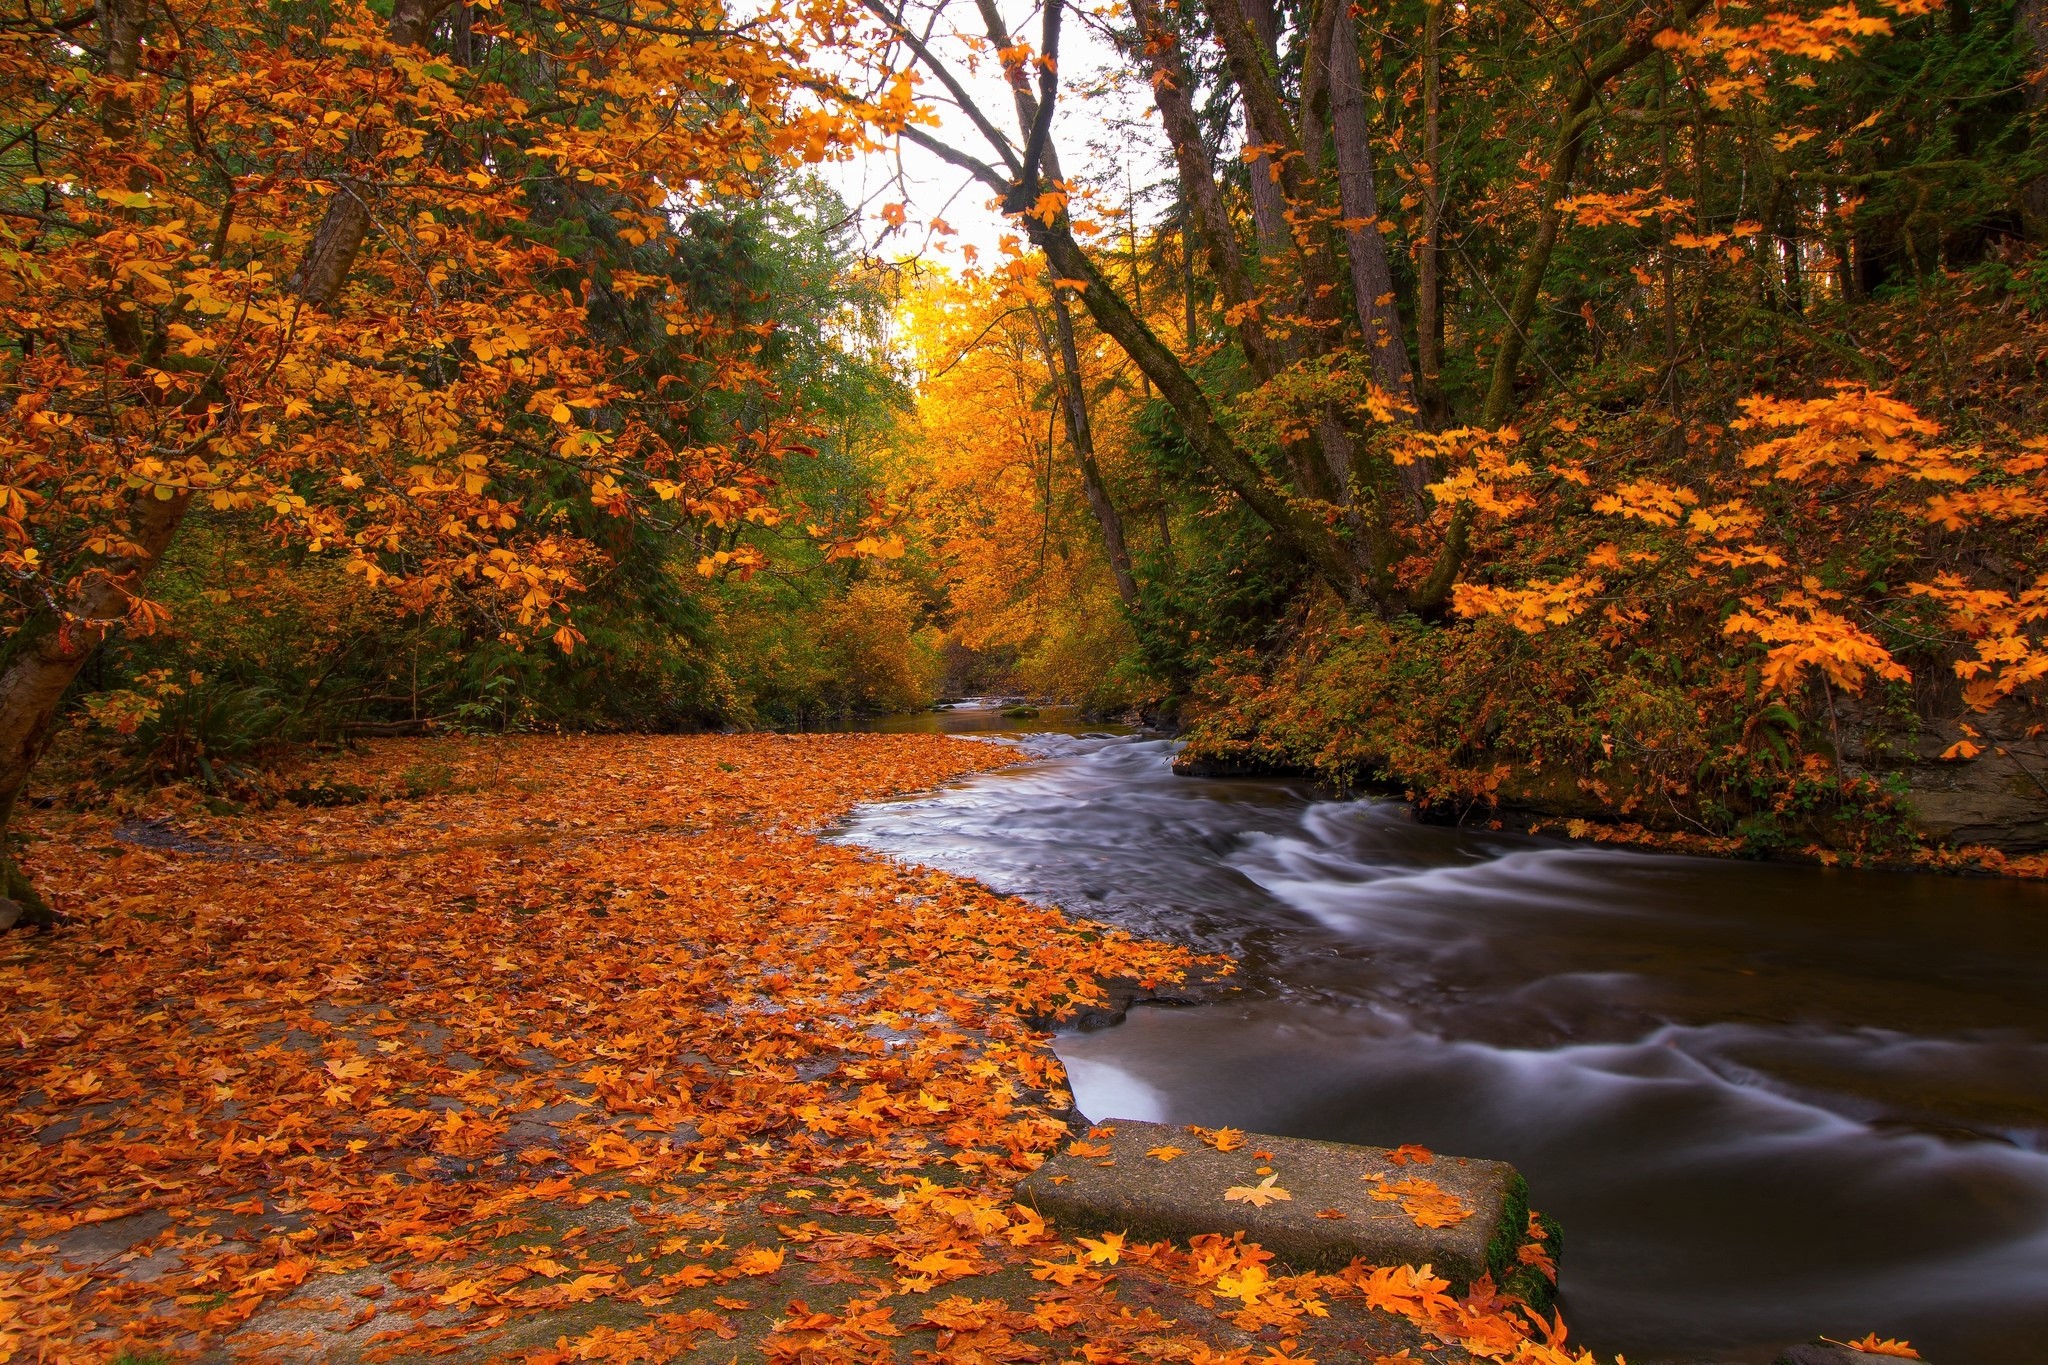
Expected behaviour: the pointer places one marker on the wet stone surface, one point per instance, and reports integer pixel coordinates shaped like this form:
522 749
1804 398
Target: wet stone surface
1315 1205
1830 1353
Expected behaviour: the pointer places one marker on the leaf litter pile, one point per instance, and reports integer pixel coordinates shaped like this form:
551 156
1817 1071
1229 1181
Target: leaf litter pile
589 1049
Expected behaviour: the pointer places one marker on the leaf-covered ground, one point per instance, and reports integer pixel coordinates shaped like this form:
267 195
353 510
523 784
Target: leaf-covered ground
588 1049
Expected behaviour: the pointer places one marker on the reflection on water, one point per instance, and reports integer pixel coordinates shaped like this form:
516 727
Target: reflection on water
983 715
1763 1101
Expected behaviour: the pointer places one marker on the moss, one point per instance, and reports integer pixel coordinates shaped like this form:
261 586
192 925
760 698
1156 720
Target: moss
35 911
1529 1283
1514 1218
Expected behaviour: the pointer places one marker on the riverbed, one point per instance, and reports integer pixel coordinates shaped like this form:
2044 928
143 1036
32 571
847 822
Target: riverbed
1763 1101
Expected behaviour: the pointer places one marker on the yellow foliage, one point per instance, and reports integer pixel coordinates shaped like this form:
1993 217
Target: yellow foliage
1804 634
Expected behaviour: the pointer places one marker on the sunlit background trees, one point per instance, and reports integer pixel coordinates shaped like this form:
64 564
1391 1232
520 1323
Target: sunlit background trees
1633 406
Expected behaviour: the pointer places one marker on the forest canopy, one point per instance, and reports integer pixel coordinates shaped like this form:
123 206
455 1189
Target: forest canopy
1624 411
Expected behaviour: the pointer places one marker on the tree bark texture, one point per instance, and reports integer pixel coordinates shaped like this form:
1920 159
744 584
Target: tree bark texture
1171 91
1372 278
347 222
1429 299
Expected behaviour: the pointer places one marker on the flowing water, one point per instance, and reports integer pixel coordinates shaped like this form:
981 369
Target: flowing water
1763 1102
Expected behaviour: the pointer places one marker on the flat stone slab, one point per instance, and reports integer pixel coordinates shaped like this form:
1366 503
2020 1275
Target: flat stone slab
1832 1353
1341 1202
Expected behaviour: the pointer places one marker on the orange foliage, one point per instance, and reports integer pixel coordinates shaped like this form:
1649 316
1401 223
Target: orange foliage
402 1073
992 477
357 1038
1853 447
178 344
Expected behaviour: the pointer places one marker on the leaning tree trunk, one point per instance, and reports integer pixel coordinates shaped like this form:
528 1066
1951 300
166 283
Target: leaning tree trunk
42 658
1063 359
1580 110
45 655
1298 527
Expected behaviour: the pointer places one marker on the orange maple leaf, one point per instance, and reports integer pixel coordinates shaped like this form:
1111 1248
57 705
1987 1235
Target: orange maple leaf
1871 1345
1106 1251
1259 1195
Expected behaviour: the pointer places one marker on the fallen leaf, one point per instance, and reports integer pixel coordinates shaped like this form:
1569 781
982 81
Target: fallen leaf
1871 1345
1106 1251
1259 1195
1247 1283
1222 1139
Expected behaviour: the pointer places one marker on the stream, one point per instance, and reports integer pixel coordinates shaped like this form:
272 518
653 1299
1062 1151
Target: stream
1762 1101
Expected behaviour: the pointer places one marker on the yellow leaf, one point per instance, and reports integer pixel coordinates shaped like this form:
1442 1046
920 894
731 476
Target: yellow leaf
1247 1284
1259 1195
1108 1251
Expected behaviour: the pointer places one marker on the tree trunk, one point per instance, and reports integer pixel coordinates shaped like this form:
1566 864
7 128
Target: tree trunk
1372 278
44 655
1429 301
1322 467
1576 118
1304 528
1063 359
1297 527
1171 87
347 222
1269 206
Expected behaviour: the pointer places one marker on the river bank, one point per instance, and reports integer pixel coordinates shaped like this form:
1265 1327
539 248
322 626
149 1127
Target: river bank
1762 1100
1483 725
583 1049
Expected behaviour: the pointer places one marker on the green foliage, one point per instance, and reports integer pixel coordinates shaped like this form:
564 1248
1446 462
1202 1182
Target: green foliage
860 652
269 645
